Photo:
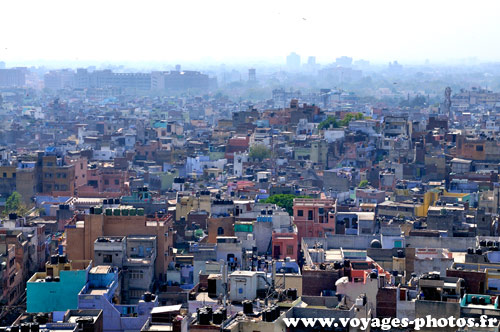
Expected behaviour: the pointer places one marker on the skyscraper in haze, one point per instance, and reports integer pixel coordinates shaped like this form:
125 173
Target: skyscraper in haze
293 61
252 77
311 61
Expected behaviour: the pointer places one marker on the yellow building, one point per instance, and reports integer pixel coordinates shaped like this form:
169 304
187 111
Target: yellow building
186 204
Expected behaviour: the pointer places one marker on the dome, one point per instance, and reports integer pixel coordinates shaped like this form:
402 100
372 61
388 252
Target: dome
375 244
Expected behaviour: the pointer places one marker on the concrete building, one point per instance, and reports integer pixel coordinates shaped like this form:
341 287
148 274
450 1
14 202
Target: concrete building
314 217
57 288
113 222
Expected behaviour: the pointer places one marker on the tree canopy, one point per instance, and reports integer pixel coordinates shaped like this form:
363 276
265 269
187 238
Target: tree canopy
363 184
259 152
332 122
283 200
14 204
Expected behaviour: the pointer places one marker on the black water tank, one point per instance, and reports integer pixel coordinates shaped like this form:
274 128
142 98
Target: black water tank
268 315
217 317
25 327
224 312
54 259
204 317
147 297
474 300
62 259
277 312
14 328
470 251
292 294
401 254
35 327
48 279
481 300
212 287
264 315
104 202
41 319
479 251
247 307
271 315
482 243
117 201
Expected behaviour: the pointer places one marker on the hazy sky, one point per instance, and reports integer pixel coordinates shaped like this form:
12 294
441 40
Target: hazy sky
233 30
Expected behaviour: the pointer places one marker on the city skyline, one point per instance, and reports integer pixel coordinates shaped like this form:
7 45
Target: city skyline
123 32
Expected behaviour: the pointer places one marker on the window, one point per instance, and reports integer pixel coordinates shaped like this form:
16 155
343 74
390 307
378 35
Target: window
289 250
117 182
14 175
220 231
310 215
107 259
136 274
479 148
4 174
106 182
300 213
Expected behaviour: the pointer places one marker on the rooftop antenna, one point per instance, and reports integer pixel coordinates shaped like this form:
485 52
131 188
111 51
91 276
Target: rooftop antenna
447 102
224 281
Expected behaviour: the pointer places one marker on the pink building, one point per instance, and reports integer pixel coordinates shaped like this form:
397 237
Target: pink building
80 164
314 217
285 245
106 179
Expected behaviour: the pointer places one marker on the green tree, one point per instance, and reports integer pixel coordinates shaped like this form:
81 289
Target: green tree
14 204
283 200
329 122
363 184
259 152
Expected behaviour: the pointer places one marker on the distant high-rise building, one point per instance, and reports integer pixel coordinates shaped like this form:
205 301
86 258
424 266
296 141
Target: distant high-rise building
252 77
311 61
13 77
293 61
107 79
344 61
2 65
177 80
362 64
59 79
177 67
